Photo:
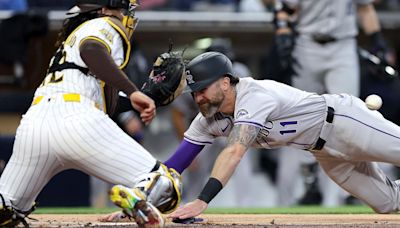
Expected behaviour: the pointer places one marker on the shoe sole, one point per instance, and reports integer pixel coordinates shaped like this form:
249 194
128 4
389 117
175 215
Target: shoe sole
147 216
144 213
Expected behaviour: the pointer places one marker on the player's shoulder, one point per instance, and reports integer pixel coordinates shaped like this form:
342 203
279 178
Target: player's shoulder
96 23
253 94
117 25
249 85
110 24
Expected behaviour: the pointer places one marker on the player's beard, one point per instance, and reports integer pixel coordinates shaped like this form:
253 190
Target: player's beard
208 109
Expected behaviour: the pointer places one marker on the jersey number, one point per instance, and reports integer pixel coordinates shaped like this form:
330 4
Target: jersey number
53 78
287 123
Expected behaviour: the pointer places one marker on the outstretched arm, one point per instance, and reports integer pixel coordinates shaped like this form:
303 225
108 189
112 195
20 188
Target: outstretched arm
183 156
239 140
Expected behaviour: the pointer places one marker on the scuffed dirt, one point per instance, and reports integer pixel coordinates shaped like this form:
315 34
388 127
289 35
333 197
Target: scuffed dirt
236 220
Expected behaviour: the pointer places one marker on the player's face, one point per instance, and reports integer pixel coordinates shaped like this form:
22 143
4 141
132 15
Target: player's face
209 99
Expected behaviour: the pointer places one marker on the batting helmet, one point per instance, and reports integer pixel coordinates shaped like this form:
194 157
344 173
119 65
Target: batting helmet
205 69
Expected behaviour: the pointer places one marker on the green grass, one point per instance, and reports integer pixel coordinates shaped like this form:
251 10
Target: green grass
289 210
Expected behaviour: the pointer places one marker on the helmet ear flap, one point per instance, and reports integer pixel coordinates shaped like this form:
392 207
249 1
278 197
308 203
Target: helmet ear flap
130 24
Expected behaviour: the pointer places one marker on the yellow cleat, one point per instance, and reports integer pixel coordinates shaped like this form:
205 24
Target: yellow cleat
133 204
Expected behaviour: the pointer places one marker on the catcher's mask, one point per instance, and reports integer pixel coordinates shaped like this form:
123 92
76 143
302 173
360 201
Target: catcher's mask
128 7
205 69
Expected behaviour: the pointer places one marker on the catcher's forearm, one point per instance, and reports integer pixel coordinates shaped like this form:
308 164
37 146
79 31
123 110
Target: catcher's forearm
101 64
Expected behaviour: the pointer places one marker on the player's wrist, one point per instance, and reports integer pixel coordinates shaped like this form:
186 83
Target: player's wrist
378 41
210 190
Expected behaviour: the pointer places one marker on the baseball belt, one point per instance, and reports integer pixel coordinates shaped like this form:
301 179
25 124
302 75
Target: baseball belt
329 118
67 97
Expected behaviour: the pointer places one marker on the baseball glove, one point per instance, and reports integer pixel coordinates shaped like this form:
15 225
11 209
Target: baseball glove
167 78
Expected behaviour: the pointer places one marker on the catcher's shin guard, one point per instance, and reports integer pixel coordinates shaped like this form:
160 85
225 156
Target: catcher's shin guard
162 188
133 204
11 217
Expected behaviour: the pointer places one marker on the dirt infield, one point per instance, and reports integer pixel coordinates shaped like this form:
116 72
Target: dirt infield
228 220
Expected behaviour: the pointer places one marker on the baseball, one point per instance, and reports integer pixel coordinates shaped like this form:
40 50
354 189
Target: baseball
373 102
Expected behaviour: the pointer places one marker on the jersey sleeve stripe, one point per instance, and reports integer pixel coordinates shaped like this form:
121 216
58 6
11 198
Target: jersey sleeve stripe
249 123
196 141
125 38
97 39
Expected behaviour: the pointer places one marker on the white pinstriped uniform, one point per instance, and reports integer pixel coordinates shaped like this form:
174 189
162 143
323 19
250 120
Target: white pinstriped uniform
66 128
291 117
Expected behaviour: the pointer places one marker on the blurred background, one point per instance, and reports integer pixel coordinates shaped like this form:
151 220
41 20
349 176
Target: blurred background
242 29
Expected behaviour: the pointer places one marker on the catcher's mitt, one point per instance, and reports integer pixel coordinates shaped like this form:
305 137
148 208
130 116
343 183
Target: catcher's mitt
167 78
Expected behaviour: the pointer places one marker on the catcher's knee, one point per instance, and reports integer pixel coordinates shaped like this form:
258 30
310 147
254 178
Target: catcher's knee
163 188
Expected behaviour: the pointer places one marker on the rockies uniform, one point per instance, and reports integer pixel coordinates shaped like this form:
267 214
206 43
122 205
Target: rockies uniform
325 61
339 130
67 127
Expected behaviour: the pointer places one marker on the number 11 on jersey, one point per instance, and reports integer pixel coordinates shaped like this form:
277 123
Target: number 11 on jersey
289 124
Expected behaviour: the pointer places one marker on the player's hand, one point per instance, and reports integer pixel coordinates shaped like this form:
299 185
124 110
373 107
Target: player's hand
117 216
189 210
145 105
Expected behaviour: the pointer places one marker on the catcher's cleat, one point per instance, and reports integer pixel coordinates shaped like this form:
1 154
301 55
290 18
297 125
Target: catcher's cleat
11 217
133 204
6 216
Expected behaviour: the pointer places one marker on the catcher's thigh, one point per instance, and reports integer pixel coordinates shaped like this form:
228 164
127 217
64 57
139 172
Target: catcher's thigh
98 147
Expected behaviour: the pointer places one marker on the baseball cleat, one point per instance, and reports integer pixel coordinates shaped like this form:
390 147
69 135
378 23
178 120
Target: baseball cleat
133 204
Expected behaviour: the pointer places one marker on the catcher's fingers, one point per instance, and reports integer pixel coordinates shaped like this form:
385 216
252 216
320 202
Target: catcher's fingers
147 115
117 216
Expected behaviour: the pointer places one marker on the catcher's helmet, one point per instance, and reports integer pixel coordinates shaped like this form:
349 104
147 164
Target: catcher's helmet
128 7
205 69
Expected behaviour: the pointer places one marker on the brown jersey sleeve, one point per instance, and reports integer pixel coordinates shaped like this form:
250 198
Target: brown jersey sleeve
101 64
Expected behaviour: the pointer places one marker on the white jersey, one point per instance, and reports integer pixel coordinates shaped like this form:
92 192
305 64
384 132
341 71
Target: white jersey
285 115
66 128
331 17
73 80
